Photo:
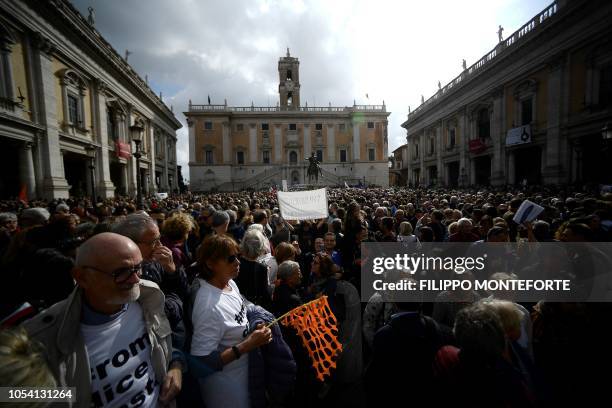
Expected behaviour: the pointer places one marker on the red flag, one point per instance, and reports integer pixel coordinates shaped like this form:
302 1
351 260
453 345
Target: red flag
23 193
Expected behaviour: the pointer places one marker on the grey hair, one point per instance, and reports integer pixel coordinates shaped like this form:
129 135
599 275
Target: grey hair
255 227
479 331
219 218
134 225
286 269
7 216
232 215
253 244
464 222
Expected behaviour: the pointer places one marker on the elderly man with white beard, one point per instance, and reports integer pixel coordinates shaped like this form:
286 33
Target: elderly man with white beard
110 339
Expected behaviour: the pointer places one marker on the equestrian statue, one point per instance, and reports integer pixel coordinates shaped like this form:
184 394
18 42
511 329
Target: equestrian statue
314 168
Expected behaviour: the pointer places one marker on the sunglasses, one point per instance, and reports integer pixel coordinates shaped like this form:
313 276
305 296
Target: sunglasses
231 259
121 275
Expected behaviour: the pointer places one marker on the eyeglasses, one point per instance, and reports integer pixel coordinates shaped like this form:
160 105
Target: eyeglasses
121 275
154 242
232 258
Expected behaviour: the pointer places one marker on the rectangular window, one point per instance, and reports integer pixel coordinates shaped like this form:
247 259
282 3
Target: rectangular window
451 138
341 127
343 156
605 86
73 110
239 127
111 129
208 126
240 157
526 111
484 124
431 145
371 155
209 157
318 126
292 126
416 151
370 125
265 126
266 156
320 155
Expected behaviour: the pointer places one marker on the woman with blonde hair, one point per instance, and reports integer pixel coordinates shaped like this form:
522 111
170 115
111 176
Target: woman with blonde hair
23 363
405 233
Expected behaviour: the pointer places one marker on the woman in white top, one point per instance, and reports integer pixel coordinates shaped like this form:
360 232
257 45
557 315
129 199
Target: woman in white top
220 327
405 233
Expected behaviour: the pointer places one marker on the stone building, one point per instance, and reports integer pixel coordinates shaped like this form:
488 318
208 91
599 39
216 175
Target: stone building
235 148
398 166
535 109
67 98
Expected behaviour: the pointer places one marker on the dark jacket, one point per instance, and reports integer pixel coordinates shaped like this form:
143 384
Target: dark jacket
253 282
403 353
285 298
272 368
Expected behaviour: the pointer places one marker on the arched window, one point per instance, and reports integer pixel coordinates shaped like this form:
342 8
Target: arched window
293 157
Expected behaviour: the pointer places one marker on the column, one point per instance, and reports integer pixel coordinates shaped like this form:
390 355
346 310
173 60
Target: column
423 174
331 143
151 187
511 168
552 173
26 170
278 143
105 187
192 144
462 135
252 142
441 173
499 142
166 162
356 140
307 140
227 148
54 183
124 177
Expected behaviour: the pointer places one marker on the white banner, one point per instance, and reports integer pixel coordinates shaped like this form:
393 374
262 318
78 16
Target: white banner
528 211
161 196
284 182
303 205
518 135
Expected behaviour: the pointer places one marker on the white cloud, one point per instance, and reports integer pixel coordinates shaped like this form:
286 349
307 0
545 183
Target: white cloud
392 50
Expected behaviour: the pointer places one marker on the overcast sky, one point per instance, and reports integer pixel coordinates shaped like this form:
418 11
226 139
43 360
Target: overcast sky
394 51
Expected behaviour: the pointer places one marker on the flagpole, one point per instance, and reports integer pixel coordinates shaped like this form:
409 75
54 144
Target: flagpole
291 311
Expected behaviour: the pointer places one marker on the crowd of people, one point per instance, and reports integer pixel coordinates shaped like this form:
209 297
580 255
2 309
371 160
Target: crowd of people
173 303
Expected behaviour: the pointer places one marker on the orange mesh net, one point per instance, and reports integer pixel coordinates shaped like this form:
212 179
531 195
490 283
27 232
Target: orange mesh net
315 323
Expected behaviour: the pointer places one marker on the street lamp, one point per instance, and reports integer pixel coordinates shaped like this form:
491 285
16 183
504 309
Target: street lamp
606 132
90 149
136 133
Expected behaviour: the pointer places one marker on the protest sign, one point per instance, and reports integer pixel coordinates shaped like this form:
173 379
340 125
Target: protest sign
303 205
528 211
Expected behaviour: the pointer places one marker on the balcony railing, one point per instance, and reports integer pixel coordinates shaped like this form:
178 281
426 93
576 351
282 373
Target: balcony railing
264 109
514 40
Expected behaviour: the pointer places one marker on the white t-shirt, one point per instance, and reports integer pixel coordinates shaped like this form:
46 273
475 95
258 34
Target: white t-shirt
120 360
220 322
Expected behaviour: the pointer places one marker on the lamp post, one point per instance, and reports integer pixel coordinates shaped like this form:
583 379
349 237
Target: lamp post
90 149
136 133
606 132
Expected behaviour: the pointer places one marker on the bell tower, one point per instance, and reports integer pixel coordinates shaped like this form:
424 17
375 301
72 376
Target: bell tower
289 82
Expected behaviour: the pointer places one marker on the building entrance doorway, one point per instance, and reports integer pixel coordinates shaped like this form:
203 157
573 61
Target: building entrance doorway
482 169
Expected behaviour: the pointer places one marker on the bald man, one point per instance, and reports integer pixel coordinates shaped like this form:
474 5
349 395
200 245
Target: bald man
110 338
